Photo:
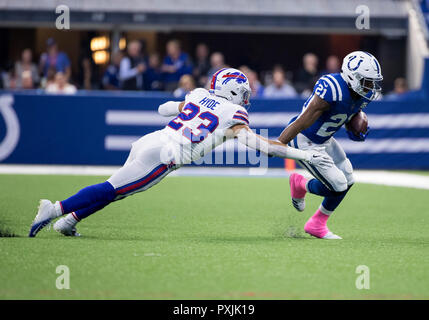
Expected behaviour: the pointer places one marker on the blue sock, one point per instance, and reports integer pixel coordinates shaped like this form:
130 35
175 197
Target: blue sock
85 212
102 192
332 198
332 202
314 186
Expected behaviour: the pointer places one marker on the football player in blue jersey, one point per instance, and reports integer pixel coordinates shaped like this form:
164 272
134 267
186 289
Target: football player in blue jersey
336 98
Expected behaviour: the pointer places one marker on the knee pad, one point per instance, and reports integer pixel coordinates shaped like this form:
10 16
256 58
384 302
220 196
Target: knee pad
347 168
341 193
340 186
335 181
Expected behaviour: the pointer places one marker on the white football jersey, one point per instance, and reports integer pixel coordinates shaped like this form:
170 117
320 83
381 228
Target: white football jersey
202 124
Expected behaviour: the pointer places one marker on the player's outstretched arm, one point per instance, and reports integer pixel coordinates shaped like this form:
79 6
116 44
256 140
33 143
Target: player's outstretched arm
277 149
313 111
171 108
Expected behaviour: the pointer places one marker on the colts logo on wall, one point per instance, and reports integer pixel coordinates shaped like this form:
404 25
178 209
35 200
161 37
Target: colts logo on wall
11 129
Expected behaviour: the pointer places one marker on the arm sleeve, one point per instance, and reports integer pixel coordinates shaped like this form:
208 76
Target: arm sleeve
168 109
252 140
240 116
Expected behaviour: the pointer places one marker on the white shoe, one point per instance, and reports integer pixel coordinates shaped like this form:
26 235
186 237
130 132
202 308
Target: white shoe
67 226
45 214
331 236
299 204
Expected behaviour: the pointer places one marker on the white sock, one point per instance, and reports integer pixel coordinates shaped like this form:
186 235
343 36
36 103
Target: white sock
71 219
58 209
325 211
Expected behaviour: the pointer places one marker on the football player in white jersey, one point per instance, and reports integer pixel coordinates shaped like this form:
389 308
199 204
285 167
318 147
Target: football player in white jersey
203 121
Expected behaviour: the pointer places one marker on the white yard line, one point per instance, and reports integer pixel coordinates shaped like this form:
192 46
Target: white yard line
58 169
389 178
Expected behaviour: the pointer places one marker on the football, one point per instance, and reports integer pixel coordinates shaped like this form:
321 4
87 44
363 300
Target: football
358 124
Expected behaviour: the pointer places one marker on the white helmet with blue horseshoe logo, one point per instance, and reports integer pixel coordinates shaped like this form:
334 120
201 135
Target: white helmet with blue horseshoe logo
231 84
362 72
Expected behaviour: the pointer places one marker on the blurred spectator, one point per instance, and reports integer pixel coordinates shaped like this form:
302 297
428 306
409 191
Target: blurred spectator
132 67
54 58
217 62
8 78
26 81
87 75
246 70
400 89
175 65
256 87
279 88
153 75
25 68
186 85
202 64
110 79
61 85
49 79
307 75
332 65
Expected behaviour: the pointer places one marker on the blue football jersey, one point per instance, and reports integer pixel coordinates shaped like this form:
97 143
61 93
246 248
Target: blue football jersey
333 89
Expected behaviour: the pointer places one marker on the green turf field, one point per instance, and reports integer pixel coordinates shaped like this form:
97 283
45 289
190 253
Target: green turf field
215 238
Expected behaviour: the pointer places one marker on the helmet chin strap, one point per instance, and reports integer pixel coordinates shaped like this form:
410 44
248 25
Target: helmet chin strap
370 95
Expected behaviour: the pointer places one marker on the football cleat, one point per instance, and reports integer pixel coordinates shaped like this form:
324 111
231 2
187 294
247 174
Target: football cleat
319 230
45 214
297 193
299 204
67 227
331 236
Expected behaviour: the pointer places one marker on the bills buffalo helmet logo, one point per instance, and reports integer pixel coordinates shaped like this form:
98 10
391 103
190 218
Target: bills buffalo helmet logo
237 76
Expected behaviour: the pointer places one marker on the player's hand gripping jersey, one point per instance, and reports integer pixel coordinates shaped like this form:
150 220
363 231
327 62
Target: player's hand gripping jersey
202 125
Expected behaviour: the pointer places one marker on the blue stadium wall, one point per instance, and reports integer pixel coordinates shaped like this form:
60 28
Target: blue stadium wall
96 128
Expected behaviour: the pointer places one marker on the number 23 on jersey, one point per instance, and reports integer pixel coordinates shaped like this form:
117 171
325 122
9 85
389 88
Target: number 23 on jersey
208 123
